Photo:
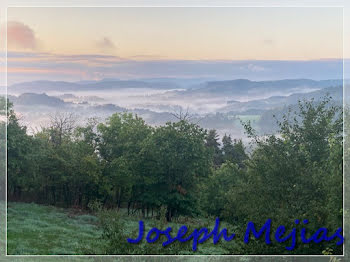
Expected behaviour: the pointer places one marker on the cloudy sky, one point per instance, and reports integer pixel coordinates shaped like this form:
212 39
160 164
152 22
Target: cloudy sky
93 43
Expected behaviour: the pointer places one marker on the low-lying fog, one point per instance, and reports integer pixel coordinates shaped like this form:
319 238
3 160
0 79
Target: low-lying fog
166 100
220 106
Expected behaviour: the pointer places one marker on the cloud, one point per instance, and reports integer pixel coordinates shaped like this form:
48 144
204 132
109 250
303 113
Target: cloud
105 44
50 59
21 36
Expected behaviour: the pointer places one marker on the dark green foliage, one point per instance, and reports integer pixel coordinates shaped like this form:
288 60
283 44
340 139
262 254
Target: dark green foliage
233 151
212 143
20 150
216 187
294 175
120 145
175 160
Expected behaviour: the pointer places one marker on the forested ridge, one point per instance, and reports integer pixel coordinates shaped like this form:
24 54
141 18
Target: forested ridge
182 170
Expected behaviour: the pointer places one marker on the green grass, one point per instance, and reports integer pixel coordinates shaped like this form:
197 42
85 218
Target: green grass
35 229
45 230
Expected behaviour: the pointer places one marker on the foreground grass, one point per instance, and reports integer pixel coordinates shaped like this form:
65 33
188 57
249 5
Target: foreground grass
45 230
35 229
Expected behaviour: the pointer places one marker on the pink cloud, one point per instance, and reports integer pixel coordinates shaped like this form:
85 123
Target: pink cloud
20 35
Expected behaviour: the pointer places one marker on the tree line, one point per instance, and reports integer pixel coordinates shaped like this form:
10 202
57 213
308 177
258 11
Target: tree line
187 170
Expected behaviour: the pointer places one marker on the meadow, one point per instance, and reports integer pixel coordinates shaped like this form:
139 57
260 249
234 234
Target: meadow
34 229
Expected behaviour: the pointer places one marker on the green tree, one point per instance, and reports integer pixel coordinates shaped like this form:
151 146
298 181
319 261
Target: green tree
212 142
233 151
216 187
20 164
296 174
120 144
177 159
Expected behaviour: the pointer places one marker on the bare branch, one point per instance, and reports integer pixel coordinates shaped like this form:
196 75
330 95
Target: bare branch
183 116
61 125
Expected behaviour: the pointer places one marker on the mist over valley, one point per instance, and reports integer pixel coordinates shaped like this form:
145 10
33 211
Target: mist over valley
220 105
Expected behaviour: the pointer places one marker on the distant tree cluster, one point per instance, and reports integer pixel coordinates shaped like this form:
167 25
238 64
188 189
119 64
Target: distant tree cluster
185 170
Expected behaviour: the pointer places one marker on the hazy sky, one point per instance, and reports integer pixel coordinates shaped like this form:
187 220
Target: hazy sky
186 33
84 43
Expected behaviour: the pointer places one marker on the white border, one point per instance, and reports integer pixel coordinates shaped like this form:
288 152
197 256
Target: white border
179 6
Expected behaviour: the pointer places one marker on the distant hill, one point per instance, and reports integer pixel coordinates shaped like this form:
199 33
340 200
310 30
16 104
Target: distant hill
42 86
61 86
246 87
278 101
109 107
32 99
228 88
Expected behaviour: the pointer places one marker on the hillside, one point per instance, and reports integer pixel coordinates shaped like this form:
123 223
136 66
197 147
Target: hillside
32 99
246 87
278 101
61 86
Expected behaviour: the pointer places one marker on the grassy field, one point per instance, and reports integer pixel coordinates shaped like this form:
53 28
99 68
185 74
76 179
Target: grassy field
35 229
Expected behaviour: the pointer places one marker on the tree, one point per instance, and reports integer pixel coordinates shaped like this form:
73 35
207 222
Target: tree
216 187
214 146
20 149
296 174
233 151
120 144
177 159
61 127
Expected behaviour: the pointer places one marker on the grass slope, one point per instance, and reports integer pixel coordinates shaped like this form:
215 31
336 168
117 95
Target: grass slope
45 230
35 229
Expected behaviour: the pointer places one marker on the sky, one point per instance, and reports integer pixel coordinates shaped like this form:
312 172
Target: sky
75 44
